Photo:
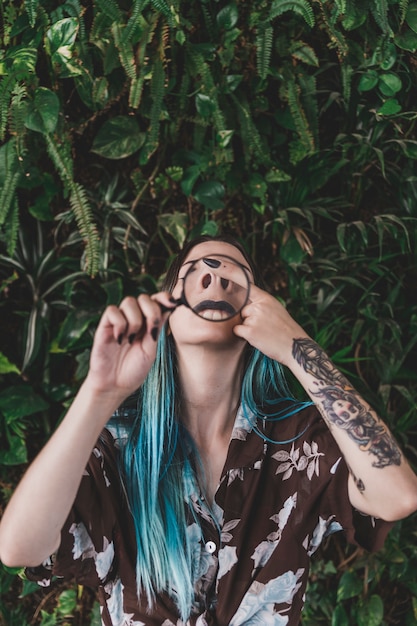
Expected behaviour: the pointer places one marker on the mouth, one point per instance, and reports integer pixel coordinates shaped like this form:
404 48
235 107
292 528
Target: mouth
214 309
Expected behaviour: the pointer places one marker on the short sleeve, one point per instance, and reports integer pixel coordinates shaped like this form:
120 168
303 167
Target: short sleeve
86 551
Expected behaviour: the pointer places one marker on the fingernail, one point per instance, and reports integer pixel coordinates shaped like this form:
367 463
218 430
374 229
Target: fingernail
212 262
131 337
120 339
154 333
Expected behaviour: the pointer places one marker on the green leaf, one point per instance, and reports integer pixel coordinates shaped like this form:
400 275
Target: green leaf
17 452
302 7
228 16
211 195
339 616
407 41
61 39
350 585
67 602
19 401
6 367
411 17
276 175
370 611
389 84
205 105
43 111
390 107
118 138
306 54
368 81
175 224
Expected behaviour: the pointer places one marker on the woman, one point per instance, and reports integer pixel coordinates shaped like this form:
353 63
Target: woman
206 504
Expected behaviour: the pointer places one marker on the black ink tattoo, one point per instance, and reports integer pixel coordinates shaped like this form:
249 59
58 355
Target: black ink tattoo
358 481
342 405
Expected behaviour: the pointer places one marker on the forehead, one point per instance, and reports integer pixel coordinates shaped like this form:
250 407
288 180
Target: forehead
215 247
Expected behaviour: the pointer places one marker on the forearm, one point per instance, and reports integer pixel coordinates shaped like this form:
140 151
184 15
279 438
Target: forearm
382 483
31 525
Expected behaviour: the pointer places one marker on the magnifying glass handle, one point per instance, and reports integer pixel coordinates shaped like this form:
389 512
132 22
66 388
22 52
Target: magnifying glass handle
175 301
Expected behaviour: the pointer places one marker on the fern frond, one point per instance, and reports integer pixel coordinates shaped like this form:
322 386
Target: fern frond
84 218
17 116
298 115
379 10
164 8
6 88
264 40
9 166
157 96
31 8
251 138
135 20
308 85
403 6
347 73
61 158
202 70
111 9
302 7
11 229
125 49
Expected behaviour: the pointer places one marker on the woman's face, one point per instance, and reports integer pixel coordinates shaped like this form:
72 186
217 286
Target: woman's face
204 286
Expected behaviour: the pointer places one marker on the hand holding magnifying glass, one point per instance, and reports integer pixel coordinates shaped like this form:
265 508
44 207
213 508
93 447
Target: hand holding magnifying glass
215 287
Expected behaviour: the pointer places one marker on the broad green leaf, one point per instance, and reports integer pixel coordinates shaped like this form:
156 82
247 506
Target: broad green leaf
19 401
339 616
67 602
61 36
210 228
224 137
204 105
6 367
350 585
233 81
175 224
16 453
368 81
389 84
118 138
43 111
291 252
370 611
72 329
390 107
411 17
211 195
276 175
407 41
228 16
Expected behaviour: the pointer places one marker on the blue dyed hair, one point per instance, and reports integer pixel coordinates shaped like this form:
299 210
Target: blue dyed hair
158 460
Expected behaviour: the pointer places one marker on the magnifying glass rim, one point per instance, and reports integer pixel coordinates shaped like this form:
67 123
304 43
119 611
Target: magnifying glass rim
213 256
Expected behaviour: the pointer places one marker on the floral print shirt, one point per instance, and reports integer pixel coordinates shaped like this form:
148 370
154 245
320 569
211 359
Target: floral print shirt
273 507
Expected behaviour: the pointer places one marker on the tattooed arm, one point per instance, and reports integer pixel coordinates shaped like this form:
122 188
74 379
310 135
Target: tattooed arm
381 482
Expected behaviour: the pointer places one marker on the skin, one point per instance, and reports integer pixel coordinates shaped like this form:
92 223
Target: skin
210 360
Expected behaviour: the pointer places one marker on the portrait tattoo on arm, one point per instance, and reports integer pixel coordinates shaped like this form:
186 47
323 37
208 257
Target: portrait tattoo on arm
342 405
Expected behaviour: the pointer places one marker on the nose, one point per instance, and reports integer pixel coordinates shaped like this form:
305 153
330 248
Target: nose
208 278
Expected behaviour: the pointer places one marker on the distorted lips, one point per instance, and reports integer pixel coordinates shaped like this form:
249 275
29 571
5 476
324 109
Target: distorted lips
214 309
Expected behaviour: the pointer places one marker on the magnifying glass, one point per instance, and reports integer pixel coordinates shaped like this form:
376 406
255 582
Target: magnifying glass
215 287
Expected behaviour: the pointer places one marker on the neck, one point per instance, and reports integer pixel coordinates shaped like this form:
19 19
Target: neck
211 384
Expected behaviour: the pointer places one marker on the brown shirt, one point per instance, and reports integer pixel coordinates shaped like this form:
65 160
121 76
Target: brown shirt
274 505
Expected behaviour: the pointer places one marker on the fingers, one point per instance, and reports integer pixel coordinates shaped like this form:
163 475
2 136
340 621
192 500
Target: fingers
135 318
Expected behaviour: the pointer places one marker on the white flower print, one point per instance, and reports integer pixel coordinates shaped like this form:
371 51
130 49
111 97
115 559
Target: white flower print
265 549
293 460
83 546
233 474
257 606
323 529
104 559
226 535
242 426
115 605
227 558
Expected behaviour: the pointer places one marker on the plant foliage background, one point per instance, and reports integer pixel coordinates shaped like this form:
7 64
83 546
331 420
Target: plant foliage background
129 126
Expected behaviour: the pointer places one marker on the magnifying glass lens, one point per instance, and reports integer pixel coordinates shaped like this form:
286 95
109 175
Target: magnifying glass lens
216 287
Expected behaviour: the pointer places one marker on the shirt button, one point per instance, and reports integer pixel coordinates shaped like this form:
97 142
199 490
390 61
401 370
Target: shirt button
210 547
